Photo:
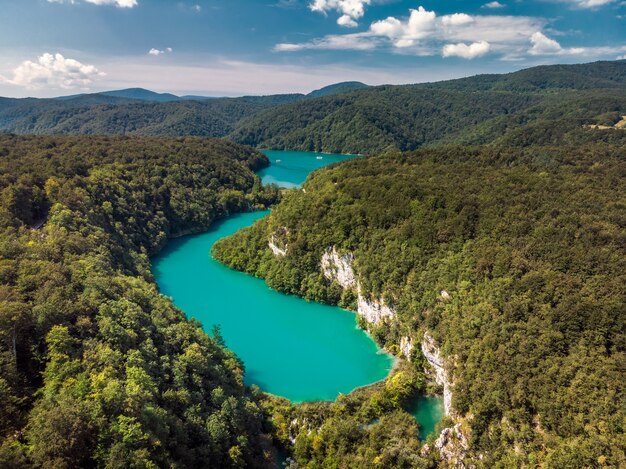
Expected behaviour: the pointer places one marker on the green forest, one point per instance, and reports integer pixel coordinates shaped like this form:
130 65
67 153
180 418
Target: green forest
495 190
548 105
529 246
542 105
97 368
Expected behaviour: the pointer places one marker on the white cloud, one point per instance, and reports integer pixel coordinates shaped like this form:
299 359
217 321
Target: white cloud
53 71
476 49
420 24
117 3
543 45
347 21
424 33
456 19
424 26
588 3
196 8
493 5
157 52
350 10
359 41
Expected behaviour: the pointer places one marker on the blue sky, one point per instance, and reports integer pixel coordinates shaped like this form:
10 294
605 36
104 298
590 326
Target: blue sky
235 47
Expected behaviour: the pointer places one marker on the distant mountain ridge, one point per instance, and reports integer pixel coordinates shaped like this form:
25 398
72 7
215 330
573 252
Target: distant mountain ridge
547 104
343 87
143 94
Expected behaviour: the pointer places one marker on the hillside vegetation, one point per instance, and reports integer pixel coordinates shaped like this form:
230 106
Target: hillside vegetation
96 368
546 105
103 114
529 246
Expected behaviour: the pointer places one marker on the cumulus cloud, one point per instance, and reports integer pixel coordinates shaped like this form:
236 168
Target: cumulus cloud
493 5
117 3
347 21
425 28
157 52
350 10
420 24
543 45
54 71
471 51
425 33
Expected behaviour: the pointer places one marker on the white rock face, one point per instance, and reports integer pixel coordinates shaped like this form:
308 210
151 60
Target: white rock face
278 247
275 249
453 447
406 347
432 354
374 311
338 268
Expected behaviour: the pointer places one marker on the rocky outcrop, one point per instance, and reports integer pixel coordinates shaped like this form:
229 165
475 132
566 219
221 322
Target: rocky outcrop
276 243
338 268
374 311
406 347
432 354
280 252
453 447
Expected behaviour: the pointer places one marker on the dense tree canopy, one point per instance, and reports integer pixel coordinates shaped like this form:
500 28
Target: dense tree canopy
541 105
546 105
97 368
529 244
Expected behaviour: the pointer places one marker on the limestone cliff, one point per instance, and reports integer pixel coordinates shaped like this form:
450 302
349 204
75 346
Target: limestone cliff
277 242
432 354
453 448
407 347
340 268
452 444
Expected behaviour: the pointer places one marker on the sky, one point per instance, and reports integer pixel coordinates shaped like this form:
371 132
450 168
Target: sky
240 47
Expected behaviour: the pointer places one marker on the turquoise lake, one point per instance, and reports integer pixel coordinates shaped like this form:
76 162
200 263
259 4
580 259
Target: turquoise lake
290 168
290 347
428 411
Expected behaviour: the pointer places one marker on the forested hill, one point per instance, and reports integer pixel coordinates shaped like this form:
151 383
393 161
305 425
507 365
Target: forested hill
96 368
548 105
103 114
528 249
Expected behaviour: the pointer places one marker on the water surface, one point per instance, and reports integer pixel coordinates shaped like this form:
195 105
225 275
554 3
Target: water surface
290 347
428 411
290 168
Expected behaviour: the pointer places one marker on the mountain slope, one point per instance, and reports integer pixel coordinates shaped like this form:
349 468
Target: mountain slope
470 110
548 104
512 261
102 114
342 87
142 95
97 369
